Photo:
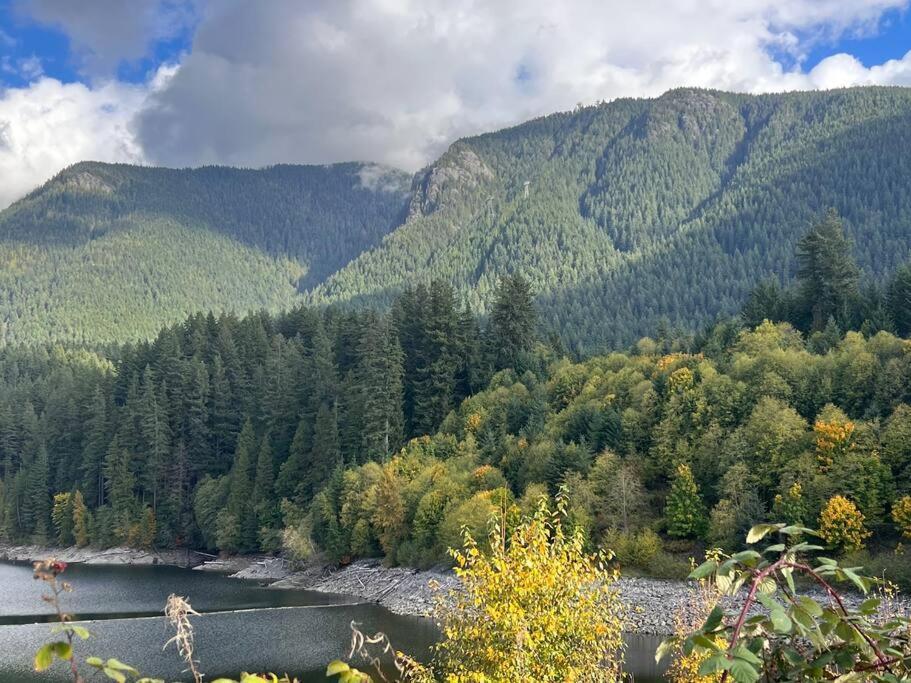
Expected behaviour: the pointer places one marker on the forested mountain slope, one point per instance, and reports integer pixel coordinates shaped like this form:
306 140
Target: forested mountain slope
622 215
107 252
642 210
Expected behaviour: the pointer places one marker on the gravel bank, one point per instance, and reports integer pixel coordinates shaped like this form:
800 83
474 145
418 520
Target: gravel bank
109 556
651 603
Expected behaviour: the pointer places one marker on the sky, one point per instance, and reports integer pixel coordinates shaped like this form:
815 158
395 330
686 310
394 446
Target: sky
254 83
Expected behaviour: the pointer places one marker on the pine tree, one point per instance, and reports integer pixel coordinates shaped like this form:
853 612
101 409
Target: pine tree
293 470
325 455
899 300
224 416
239 531
827 273
94 448
512 322
36 504
155 441
265 505
685 512
196 419
379 385
119 484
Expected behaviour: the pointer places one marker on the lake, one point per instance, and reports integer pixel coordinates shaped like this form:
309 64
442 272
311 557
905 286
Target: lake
243 625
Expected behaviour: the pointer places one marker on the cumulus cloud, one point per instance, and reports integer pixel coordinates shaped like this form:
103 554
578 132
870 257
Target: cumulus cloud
396 81
49 125
105 32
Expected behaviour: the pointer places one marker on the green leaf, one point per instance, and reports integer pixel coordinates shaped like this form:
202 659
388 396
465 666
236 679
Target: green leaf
80 631
705 642
859 582
117 665
63 650
713 664
745 556
810 606
788 574
114 675
94 661
713 620
743 652
703 569
758 532
44 657
667 645
338 667
870 605
743 672
781 621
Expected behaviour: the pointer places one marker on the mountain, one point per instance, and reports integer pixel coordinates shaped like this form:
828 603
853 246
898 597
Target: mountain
634 212
112 252
624 216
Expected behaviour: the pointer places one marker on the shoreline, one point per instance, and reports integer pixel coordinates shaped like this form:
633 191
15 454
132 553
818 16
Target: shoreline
651 604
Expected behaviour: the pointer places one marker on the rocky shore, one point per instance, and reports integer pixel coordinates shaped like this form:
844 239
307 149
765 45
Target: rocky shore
651 604
108 556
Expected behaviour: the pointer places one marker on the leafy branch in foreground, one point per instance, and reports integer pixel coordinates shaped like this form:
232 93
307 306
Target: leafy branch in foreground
778 634
49 571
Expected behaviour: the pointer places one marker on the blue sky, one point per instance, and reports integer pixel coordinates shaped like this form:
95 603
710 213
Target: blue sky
238 82
24 39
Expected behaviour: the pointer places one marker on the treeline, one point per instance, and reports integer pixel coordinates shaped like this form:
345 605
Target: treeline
194 438
696 437
688 445
828 297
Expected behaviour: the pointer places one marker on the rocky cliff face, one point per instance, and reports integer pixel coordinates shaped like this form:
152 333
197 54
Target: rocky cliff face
457 174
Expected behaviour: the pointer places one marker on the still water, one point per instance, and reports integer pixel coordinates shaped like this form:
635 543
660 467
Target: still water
243 625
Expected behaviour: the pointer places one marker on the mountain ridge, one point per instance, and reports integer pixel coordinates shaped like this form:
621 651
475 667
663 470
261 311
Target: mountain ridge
624 215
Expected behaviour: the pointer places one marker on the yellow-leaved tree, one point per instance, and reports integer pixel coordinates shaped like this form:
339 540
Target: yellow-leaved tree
841 524
901 515
537 607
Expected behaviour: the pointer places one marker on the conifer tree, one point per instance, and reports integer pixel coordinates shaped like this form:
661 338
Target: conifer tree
155 441
119 484
512 322
379 385
237 530
826 271
293 470
196 418
94 448
265 504
325 455
36 503
899 300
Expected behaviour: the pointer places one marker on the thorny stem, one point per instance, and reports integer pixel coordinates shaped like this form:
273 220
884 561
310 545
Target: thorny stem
883 662
47 571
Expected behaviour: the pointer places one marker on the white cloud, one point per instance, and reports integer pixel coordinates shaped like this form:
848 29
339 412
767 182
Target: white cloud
396 81
105 32
49 125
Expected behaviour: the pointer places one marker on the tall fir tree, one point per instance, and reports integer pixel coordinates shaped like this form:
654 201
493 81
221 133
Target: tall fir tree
827 273
511 331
